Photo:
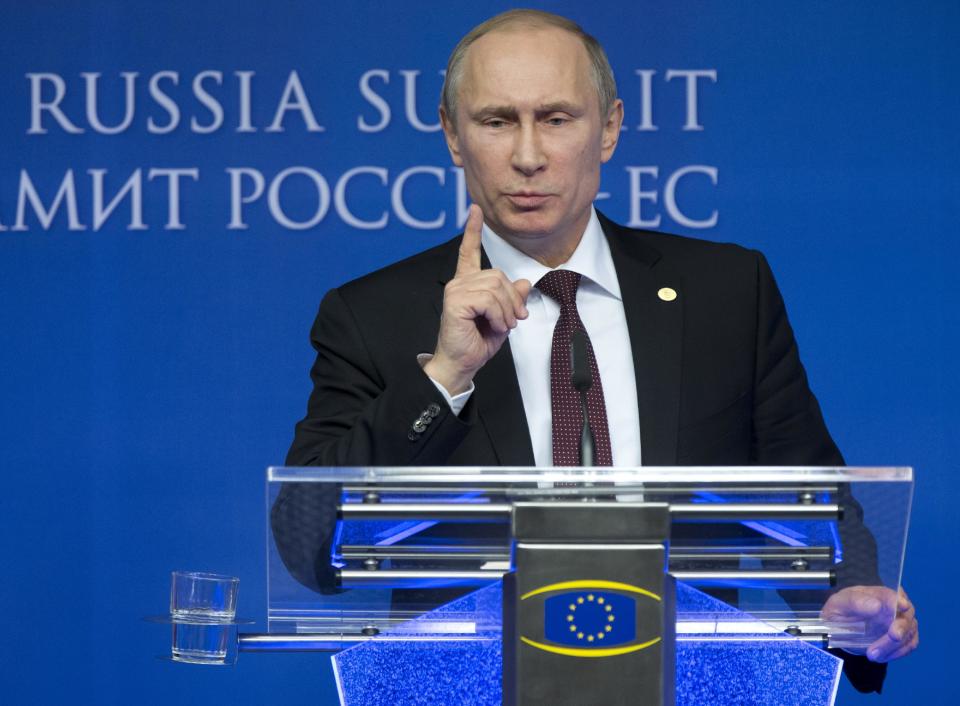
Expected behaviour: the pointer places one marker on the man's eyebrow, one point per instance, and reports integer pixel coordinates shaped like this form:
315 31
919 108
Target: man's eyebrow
558 107
507 112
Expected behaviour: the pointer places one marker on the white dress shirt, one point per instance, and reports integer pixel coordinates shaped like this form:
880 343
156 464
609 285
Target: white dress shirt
601 309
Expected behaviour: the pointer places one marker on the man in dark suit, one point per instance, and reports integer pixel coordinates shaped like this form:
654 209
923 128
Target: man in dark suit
418 363
718 376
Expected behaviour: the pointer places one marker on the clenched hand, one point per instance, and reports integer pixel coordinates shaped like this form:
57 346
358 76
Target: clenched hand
480 307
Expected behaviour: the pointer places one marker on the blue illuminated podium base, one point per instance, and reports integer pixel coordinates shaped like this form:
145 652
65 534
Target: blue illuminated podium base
463 664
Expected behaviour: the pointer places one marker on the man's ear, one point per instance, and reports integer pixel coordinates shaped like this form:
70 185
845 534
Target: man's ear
450 134
611 131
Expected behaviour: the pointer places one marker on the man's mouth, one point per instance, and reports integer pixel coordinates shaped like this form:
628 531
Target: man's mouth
528 199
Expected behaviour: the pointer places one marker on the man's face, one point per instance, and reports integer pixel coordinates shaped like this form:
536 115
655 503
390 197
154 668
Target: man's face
530 137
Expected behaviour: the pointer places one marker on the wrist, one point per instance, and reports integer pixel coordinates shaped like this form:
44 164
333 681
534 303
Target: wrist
453 379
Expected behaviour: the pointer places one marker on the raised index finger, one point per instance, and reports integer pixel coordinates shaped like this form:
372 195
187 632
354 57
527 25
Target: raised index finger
469 259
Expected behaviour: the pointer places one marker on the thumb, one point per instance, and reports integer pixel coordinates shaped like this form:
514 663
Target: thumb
523 288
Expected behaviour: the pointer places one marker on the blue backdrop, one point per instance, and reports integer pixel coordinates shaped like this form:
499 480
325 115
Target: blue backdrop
181 182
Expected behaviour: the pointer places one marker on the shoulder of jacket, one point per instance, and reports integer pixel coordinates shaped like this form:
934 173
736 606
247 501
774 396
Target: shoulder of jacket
424 268
684 248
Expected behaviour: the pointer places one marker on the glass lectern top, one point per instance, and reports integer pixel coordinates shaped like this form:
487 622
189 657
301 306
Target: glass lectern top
361 551
645 474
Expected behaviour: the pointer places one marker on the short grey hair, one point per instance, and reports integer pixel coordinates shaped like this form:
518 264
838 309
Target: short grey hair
601 72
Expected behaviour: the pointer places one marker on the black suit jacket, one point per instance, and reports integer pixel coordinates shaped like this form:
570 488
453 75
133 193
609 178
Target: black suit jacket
719 380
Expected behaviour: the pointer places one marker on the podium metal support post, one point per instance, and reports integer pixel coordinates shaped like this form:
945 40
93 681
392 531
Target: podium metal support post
589 603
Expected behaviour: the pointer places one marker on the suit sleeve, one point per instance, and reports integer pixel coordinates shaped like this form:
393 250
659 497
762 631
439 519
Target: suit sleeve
789 431
788 427
361 412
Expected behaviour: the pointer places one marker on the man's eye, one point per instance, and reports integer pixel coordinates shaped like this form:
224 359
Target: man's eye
556 120
496 123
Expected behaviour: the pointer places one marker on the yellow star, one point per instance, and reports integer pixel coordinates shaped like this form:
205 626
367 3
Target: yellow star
590 597
608 628
610 618
600 599
579 635
589 638
580 600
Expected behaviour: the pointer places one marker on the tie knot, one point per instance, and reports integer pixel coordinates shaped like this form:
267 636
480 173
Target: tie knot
561 286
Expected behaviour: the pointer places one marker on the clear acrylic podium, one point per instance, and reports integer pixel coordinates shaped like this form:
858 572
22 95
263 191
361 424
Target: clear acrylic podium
517 585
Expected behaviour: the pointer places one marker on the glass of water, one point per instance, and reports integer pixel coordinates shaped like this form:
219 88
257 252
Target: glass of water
203 609
203 596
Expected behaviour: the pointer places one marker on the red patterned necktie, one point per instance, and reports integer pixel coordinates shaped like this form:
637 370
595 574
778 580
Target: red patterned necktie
561 286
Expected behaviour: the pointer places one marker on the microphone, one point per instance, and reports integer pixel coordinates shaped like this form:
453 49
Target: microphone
582 381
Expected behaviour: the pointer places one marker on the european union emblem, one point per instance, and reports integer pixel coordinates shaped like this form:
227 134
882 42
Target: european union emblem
590 619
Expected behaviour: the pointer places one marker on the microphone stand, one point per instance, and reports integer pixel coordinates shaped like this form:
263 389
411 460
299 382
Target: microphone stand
582 381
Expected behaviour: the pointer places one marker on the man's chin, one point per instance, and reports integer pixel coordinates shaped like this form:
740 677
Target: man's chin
529 225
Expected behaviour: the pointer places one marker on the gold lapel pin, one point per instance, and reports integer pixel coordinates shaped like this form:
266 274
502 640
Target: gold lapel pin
667 294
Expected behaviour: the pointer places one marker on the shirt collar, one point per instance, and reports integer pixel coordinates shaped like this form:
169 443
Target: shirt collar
592 258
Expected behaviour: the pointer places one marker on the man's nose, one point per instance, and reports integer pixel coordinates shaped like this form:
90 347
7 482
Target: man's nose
528 154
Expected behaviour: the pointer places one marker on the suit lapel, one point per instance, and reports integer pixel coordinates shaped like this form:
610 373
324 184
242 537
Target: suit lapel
497 398
656 330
